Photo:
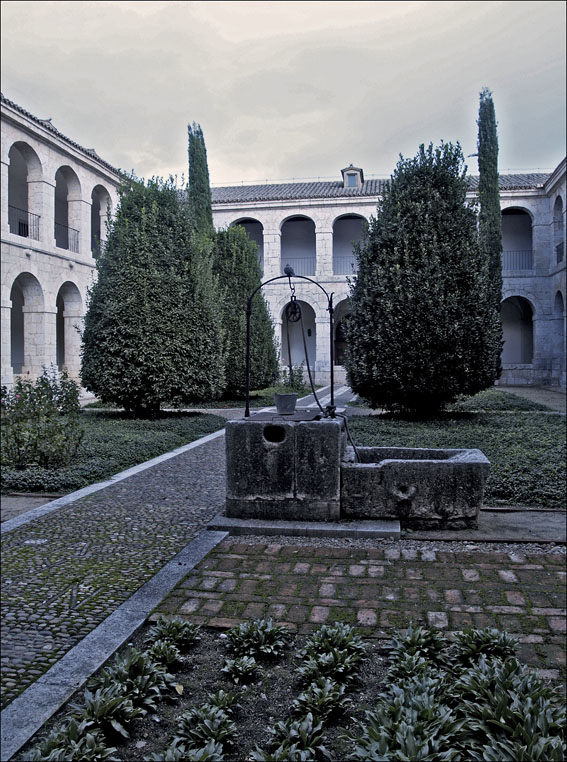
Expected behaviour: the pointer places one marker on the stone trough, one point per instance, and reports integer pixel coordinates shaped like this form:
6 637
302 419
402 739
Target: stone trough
299 468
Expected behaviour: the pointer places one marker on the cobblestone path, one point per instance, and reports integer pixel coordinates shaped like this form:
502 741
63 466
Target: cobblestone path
378 590
64 573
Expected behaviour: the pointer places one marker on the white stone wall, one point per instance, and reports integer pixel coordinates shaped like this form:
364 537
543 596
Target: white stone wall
43 269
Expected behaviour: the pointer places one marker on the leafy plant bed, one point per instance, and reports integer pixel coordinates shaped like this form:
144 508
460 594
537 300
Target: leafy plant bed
326 695
112 442
526 452
491 399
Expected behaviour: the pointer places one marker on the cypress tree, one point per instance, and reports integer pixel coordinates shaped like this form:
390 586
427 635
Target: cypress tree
490 216
236 264
199 190
422 330
151 325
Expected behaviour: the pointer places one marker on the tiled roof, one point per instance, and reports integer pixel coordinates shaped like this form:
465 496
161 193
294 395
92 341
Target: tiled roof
46 124
240 194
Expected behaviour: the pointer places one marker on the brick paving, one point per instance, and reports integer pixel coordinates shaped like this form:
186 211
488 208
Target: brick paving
381 589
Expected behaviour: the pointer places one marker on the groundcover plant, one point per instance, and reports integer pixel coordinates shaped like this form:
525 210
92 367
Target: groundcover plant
168 695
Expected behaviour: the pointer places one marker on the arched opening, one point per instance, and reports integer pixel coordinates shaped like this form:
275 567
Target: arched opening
517 244
255 232
347 230
296 338
341 313
23 167
100 201
68 323
298 245
558 233
26 323
517 326
67 209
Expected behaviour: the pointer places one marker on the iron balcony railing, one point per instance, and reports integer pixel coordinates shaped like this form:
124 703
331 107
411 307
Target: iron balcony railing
517 260
66 238
559 252
301 265
344 265
23 223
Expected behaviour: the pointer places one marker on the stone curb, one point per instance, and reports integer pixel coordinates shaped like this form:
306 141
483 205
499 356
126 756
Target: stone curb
32 708
54 505
355 529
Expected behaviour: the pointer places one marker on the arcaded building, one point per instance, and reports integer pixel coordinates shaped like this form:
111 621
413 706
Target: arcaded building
55 197
312 225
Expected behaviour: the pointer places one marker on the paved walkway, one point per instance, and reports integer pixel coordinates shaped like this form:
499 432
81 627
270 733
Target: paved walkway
379 589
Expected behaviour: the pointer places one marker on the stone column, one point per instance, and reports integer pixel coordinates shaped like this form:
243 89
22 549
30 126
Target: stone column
5 327
272 253
80 219
324 253
72 329
41 201
39 340
4 197
323 358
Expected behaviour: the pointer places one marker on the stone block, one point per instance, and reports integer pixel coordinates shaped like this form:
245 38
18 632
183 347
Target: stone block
420 487
279 469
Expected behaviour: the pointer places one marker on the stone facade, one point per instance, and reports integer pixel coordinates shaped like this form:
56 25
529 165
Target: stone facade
55 196
325 215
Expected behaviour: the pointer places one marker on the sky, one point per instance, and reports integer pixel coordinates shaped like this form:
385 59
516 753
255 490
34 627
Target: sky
289 90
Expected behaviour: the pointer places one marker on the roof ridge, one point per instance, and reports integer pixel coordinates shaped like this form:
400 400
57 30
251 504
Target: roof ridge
46 123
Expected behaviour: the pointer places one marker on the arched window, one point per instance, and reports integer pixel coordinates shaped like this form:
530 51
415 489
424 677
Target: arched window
23 168
558 234
517 326
26 323
292 330
100 200
559 326
517 246
67 209
298 245
68 340
255 232
347 230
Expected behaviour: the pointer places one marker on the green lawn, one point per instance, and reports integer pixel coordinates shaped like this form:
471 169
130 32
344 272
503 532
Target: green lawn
526 449
112 443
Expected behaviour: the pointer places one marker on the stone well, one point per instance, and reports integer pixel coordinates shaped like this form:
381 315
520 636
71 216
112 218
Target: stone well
298 468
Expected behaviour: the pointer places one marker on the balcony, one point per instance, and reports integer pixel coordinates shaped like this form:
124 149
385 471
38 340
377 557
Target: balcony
517 260
66 238
344 265
23 223
301 265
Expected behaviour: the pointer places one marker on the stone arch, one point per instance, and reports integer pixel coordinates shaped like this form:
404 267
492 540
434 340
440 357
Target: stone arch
341 313
298 245
558 230
26 324
24 168
517 239
255 232
101 205
69 304
347 229
67 209
517 315
559 325
296 337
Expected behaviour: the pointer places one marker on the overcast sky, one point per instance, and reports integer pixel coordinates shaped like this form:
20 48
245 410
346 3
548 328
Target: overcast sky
288 90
